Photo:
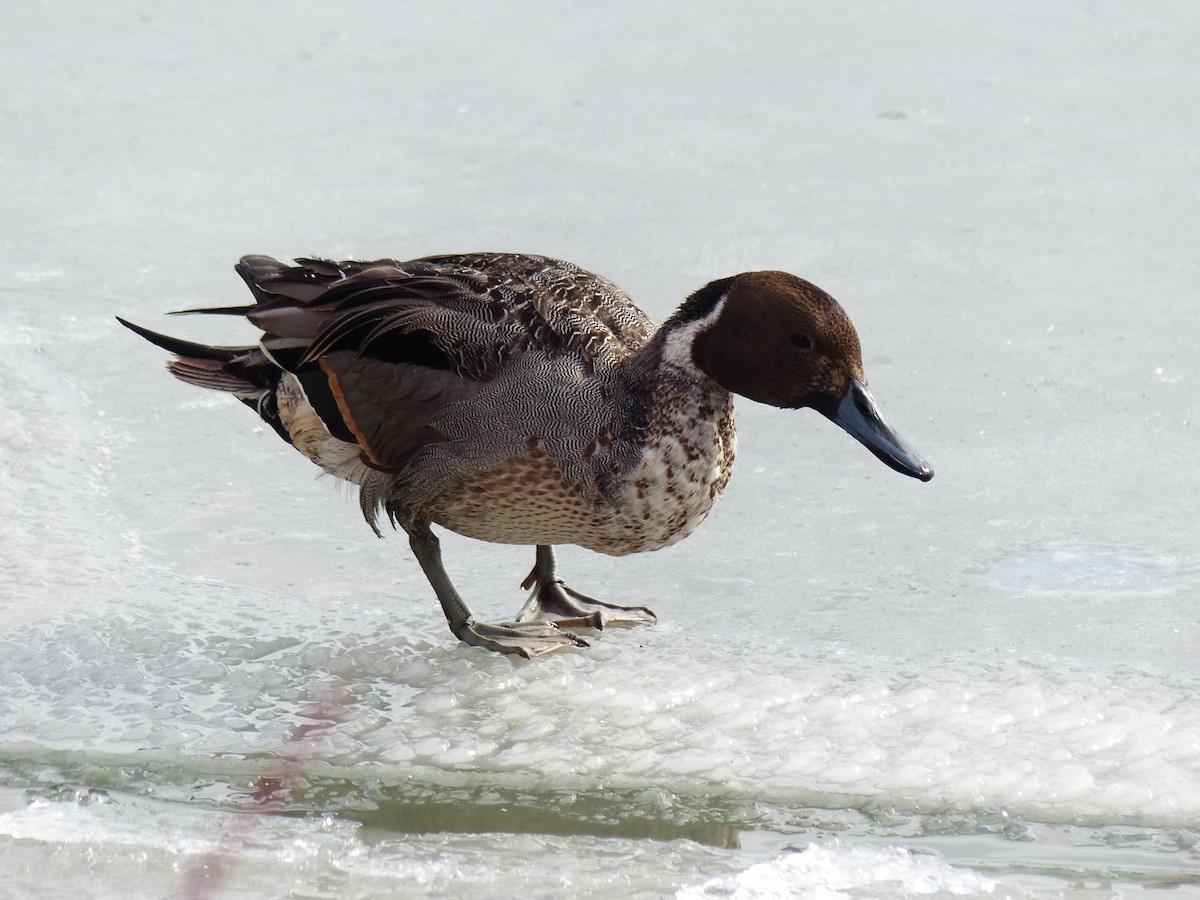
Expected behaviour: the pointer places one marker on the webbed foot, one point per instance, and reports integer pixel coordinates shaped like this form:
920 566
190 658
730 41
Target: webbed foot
527 639
553 602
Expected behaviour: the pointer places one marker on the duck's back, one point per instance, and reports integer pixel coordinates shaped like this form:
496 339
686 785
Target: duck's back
476 310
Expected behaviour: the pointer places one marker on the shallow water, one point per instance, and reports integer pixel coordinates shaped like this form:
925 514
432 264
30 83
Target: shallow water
214 681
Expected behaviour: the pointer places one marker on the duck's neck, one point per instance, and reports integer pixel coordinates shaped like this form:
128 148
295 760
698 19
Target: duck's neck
667 357
682 393
685 445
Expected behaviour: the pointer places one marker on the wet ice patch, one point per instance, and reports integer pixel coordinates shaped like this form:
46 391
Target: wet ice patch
1078 567
138 847
835 872
86 821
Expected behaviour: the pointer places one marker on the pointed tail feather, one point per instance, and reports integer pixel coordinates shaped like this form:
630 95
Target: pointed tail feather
244 371
182 347
214 311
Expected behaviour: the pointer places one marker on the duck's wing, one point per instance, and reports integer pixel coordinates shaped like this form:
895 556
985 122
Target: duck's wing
382 347
468 313
549 304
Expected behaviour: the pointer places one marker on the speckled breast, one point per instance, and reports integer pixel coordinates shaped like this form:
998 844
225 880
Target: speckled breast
660 499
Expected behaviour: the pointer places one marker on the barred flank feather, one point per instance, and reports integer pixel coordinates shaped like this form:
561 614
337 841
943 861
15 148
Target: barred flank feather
209 373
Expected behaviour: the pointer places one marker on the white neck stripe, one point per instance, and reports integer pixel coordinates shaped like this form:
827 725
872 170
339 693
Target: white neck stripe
677 349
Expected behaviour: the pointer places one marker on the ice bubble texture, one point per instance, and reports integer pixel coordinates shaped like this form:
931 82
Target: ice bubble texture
841 873
979 729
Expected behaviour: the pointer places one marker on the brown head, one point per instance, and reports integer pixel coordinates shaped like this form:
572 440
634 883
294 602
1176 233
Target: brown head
781 340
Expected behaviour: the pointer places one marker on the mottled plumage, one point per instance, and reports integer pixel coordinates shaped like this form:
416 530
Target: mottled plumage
521 399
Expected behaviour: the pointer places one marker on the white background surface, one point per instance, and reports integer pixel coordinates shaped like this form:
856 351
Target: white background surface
1003 196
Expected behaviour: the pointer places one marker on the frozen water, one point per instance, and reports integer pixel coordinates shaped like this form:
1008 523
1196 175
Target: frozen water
825 873
1086 569
752 721
859 685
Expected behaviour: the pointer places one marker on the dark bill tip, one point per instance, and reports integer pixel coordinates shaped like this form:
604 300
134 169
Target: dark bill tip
857 413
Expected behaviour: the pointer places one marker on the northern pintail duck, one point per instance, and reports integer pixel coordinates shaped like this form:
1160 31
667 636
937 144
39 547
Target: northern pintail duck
522 400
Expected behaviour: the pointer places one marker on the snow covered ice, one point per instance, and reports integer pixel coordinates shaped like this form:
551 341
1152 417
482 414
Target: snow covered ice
859 686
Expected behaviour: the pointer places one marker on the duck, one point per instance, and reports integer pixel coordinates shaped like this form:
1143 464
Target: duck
520 399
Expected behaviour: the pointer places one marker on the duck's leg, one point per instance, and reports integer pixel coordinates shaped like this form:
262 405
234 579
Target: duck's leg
527 639
552 601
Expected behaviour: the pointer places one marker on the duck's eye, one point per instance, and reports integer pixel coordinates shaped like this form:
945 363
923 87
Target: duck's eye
801 340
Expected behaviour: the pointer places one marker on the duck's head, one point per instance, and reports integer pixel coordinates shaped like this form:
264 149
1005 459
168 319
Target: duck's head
778 339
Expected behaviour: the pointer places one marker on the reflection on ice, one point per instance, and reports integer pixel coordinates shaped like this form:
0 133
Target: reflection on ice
642 814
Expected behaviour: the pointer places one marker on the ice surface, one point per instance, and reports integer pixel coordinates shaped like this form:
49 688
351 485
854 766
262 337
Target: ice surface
1088 570
647 710
832 873
989 679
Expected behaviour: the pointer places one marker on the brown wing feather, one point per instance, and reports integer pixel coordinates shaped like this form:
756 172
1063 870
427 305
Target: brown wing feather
388 406
478 310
